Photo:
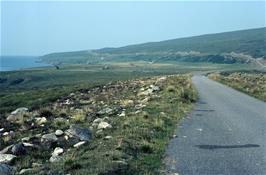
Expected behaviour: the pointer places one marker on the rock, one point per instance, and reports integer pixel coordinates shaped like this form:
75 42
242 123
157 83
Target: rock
25 139
41 120
55 159
19 149
6 158
57 151
96 122
123 114
154 88
59 132
17 115
2 129
105 111
104 125
77 145
108 137
49 137
6 149
20 110
145 93
25 171
6 169
82 133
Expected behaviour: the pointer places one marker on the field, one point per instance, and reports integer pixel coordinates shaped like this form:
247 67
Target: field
36 87
128 112
249 82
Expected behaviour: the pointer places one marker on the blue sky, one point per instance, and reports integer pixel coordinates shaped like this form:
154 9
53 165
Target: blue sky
37 28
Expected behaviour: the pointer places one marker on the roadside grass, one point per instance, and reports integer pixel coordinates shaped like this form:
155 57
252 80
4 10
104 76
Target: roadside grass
138 139
249 82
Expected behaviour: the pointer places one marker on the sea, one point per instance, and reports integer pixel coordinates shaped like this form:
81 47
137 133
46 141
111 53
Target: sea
11 63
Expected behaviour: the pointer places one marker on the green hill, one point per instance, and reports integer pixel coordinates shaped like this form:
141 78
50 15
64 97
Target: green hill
229 47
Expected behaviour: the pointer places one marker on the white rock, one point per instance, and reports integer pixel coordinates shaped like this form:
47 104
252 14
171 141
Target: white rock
79 144
108 137
55 159
123 114
6 158
97 120
25 171
57 151
104 125
41 120
19 110
59 132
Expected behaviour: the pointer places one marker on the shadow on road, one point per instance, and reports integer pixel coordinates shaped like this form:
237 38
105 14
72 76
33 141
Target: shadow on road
211 147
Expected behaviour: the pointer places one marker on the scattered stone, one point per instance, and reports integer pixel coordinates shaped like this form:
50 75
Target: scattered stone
97 120
6 169
104 125
154 88
123 114
19 149
2 129
19 110
77 145
25 171
6 158
82 133
6 149
49 137
25 139
59 132
57 151
41 120
17 115
108 137
105 111
55 159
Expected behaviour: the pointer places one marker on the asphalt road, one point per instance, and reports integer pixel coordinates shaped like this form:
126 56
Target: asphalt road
225 134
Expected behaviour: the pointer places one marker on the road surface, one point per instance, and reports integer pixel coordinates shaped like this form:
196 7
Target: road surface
225 134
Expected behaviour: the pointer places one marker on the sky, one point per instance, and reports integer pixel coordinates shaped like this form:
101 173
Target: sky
38 28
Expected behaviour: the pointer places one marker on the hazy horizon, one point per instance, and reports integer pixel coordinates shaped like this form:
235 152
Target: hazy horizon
47 27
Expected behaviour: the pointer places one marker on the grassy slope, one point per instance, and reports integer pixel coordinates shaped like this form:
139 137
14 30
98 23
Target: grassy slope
250 42
138 139
252 83
43 86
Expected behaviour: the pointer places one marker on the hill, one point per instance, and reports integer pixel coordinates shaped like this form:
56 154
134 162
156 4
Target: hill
229 47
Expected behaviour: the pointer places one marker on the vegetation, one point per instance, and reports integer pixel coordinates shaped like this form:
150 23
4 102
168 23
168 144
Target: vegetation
250 82
141 117
38 87
229 47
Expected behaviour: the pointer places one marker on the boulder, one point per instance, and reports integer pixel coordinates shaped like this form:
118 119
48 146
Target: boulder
41 120
19 111
17 115
59 132
6 169
57 151
154 88
55 159
81 133
105 111
77 145
104 125
6 158
26 171
19 149
49 137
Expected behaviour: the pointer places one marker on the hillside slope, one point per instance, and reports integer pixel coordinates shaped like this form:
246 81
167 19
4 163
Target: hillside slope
229 47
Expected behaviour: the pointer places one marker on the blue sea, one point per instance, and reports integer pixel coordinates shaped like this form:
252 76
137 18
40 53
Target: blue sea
9 63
